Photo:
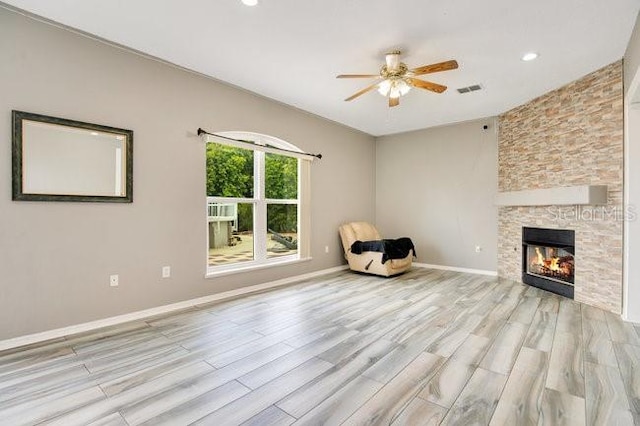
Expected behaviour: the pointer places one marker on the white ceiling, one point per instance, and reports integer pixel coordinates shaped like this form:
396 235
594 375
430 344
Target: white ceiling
291 50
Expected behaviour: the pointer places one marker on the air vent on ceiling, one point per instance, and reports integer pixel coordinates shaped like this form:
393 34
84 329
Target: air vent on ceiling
469 89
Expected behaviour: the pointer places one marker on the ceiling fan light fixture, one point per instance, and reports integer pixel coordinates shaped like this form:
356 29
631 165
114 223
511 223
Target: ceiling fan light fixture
384 87
393 60
393 88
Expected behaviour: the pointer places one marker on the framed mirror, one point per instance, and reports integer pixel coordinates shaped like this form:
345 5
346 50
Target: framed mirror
55 159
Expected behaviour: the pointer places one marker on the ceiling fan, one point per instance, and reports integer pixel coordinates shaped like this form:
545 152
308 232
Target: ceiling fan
396 79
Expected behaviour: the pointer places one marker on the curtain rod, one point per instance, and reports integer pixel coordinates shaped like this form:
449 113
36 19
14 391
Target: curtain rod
204 132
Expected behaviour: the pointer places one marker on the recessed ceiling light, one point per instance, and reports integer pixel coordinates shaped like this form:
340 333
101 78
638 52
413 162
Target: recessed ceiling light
250 2
529 56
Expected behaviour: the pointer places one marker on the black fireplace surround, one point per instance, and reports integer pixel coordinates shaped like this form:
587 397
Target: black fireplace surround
554 240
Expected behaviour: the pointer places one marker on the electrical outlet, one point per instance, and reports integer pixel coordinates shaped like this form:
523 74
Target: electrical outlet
478 249
326 249
166 271
113 280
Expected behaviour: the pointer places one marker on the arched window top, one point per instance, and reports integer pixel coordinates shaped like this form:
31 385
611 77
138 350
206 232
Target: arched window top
260 139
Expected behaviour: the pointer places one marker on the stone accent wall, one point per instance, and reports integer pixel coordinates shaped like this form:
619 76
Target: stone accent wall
571 136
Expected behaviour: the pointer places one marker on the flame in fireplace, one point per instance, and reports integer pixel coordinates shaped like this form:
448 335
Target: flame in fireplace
551 262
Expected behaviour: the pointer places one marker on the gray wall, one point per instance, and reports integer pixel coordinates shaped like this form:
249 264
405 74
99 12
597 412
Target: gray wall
631 301
437 186
56 258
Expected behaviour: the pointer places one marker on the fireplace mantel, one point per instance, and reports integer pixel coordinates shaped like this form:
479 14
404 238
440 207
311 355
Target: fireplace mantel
561 196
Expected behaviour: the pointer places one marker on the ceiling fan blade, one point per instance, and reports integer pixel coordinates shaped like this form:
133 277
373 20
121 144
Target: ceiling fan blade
441 66
357 75
363 91
421 84
394 102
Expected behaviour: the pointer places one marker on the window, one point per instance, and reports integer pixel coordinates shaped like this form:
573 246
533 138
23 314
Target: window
254 202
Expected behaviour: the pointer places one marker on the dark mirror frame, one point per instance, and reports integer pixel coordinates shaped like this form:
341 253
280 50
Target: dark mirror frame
17 159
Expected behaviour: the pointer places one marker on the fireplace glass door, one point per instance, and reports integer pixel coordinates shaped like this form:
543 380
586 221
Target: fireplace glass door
554 263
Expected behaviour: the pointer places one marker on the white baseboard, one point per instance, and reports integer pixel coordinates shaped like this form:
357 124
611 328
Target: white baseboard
139 315
456 269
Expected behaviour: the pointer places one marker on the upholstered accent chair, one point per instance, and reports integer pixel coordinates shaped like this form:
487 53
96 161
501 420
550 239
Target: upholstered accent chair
367 252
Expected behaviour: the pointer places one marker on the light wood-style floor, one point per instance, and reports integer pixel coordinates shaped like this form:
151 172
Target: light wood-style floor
428 347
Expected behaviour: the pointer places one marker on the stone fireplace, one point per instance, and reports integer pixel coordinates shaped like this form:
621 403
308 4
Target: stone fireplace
569 137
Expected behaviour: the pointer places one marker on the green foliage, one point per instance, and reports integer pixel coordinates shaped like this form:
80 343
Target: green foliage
245 217
281 177
282 217
229 171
